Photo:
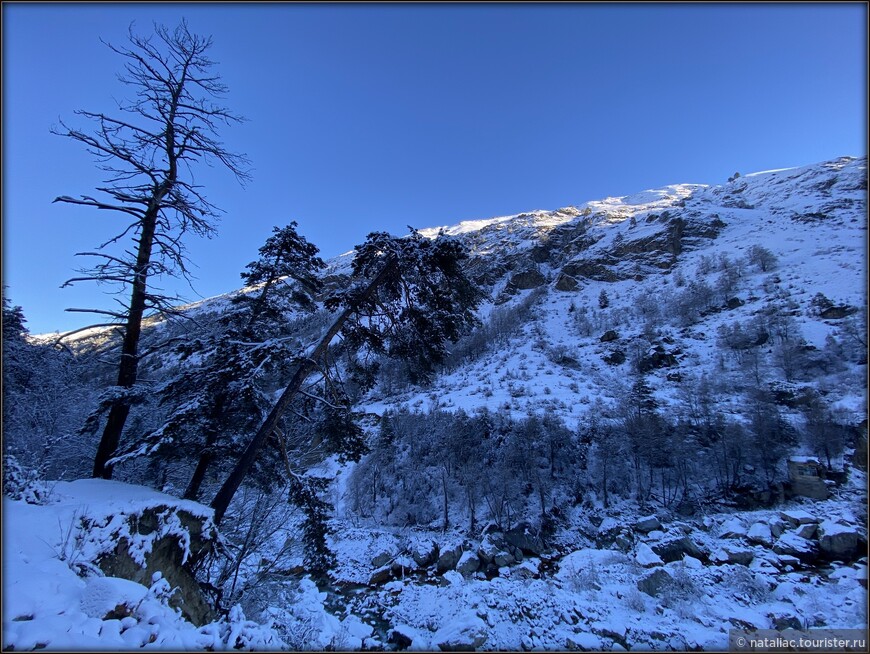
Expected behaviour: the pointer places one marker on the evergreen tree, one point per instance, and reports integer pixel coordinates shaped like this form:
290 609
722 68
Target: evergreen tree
214 403
412 297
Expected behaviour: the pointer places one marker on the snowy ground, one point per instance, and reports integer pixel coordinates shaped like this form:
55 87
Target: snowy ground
55 596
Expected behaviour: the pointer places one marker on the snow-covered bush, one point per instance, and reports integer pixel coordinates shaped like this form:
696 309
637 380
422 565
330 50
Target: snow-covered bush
682 589
23 483
746 584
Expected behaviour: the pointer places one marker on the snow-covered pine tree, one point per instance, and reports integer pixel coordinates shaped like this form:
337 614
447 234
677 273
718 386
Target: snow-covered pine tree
411 298
215 402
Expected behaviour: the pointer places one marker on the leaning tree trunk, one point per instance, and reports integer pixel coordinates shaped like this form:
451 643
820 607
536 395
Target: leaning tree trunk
129 366
234 480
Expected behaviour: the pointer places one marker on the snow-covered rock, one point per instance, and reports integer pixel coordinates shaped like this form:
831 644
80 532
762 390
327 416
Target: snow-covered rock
655 582
760 533
449 557
647 524
839 541
797 517
646 557
466 632
792 544
468 563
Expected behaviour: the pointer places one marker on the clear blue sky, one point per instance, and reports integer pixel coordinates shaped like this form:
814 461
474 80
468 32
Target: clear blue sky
374 117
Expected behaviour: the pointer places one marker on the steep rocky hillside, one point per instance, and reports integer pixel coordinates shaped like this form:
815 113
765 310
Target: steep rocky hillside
676 264
656 434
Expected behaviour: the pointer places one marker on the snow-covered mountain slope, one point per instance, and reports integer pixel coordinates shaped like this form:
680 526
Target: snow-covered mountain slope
648 251
725 302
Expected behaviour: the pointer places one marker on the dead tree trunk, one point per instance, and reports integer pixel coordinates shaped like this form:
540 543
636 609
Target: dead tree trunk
128 368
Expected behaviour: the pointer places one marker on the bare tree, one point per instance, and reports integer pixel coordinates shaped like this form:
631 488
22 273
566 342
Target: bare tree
149 153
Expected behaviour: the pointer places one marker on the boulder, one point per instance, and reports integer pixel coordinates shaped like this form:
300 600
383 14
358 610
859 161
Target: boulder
790 544
608 336
402 636
838 312
468 563
733 554
784 621
465 633
165 540
777 527
797 517
732 528
491 545
655 582
449 557
424 553
380 576
401 566
566 283
839 541
381 559
646 557
502 558
647 524
760 533
523 538
674 549
806 531
525 570
623 542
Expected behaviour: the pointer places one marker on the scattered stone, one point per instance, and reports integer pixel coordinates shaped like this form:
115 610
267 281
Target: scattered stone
647 524
655 535
654 582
